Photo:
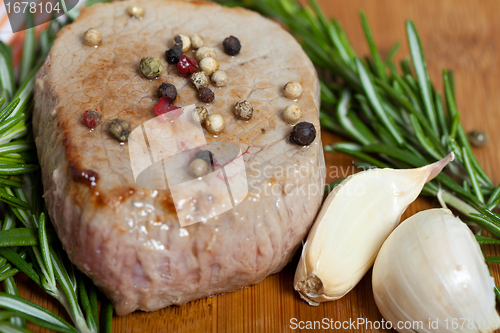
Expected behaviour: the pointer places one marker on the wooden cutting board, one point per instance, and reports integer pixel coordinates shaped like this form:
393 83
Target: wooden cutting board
461 35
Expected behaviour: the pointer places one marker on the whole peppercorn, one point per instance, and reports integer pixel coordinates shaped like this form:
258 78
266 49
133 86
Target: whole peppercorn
135 11
205 52
198 167
151 67
173 55
214 123
183 41
303 134
478 138
92 118
187 65
197 41
200 114
167 90
209 65
293 90
166 109
200 80
219 78
92 37
206 95
120 129
205 155
243 110
291 114
232 45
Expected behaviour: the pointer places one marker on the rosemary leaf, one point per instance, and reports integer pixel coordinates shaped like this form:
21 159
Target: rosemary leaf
375 102
377 59
20 263
29 48
483 240
424 81
35 313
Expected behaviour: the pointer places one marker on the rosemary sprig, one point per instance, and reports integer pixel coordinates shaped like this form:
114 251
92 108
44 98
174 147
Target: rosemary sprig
27 240
390 118
395 119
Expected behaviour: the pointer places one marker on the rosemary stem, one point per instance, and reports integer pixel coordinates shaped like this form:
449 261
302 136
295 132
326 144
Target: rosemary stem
457 203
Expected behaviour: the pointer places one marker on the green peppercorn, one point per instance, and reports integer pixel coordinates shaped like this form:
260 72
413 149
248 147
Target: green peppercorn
478 138
151 67
120 129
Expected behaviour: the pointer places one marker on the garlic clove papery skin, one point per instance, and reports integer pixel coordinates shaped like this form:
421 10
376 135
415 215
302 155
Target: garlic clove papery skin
354 221
431 268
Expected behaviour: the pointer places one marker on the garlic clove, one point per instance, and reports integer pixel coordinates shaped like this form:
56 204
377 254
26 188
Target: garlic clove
356 218
430 270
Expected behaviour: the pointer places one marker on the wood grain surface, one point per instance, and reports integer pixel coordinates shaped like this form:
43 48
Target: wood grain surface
461 35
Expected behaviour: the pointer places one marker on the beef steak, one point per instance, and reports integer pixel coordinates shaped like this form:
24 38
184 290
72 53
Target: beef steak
128 239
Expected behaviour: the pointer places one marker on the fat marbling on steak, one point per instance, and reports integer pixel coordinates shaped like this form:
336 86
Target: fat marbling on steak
128 239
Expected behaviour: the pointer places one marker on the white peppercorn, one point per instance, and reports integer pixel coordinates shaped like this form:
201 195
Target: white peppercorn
200 80
205 52
293 90
197 41
92 37
200 114
136 11
183 41
243 110
214 123
205 155
198 167
219 78
291 114
209 65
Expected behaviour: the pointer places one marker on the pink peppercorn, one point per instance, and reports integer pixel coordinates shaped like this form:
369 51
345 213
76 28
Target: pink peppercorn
166 110
91 118
187 65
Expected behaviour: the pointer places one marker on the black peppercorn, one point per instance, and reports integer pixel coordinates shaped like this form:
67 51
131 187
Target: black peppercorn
303 134
232 45
206 95
178 41
174 54
205 155
167 90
